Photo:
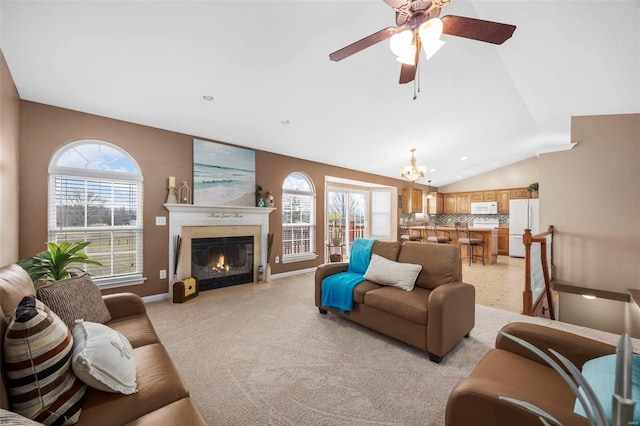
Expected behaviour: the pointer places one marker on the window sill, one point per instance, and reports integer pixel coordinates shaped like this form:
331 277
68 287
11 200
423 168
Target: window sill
119 281
299 257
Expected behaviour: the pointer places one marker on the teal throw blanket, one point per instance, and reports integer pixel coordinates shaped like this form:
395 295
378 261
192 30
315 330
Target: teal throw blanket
337 290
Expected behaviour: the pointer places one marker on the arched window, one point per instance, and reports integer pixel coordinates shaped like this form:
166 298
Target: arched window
298 218
95 194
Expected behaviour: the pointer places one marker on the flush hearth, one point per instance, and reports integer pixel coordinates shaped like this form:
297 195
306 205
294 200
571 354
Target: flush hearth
222 261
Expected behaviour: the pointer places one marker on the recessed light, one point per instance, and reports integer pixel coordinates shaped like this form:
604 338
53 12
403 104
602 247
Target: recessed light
463 158
285 122
207 98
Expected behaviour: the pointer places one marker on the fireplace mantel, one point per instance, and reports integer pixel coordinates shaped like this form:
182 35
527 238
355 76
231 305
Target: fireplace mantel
189 215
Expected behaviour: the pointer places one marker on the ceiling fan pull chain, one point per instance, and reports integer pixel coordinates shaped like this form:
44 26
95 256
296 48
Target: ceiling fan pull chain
416 83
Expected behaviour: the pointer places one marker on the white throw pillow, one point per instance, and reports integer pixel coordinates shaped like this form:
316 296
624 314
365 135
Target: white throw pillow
103 358
387 272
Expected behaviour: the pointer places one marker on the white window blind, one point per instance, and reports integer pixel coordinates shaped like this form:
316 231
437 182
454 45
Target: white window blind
298 219
381 214
90 201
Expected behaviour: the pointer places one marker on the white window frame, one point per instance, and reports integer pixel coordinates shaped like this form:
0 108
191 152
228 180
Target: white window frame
60 172
311 255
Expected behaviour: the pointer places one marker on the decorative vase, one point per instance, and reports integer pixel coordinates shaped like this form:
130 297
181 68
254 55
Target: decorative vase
336 241
268 200
260 202
267 274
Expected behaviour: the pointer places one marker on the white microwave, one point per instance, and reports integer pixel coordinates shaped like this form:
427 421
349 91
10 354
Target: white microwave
487 207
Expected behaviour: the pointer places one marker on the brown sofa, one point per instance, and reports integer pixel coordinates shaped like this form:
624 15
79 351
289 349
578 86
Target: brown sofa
162 396
433 317
512 371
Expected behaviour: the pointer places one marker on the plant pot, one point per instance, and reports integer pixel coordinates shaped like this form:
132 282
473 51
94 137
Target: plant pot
336 241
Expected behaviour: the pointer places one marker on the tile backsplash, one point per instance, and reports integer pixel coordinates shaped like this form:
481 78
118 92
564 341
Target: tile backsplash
452 218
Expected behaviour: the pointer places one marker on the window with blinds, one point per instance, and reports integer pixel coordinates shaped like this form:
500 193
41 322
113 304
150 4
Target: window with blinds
298 218
95 195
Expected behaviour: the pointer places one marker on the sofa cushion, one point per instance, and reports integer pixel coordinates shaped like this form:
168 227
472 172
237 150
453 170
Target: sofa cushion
440 263
411 306
386 249
181 412
75 298
396 274
600 373
137 329
38 347
103 358
15 284
159 384
361 289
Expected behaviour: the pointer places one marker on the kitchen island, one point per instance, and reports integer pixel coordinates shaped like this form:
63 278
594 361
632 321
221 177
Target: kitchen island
490 236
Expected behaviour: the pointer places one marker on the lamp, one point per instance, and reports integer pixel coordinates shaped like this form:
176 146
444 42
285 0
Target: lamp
429 196
413 173
403 43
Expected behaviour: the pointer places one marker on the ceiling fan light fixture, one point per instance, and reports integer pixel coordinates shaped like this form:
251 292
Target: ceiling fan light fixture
430 33
403 47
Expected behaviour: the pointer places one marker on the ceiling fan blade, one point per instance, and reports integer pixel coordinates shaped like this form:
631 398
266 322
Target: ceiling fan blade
359 45
408 72
477 29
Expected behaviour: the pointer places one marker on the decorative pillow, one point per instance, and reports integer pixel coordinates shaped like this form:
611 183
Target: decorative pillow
75 298
103 358
9 418
396 274
41 384
600 373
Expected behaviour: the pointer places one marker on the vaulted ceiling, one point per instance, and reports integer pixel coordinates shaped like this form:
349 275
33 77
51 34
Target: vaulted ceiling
266 65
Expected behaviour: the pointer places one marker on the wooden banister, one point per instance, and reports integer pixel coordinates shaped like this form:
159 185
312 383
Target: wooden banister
529 306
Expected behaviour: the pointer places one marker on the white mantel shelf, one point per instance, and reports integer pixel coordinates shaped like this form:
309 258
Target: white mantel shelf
192 208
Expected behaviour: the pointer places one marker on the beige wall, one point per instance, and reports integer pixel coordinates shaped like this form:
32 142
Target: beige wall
9 141
517 175
160 154
591 195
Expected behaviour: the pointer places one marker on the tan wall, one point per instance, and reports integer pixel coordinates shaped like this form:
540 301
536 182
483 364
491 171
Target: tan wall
591 195
9 155
517 175
160 154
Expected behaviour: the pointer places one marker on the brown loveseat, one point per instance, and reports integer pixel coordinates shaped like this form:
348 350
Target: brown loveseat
512 371
162 396
432 317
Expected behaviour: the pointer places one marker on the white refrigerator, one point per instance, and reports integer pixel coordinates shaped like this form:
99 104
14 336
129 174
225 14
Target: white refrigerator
523 214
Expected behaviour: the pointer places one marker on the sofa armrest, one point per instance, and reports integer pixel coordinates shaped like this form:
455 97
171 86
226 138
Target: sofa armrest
122 305
576 348
322 272
451 316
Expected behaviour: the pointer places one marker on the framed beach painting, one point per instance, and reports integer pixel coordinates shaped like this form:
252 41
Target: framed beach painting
223 175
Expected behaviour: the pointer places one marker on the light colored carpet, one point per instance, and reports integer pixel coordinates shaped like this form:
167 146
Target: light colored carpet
261 354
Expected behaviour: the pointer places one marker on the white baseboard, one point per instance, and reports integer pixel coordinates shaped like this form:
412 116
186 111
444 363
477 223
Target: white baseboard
156 297
292 273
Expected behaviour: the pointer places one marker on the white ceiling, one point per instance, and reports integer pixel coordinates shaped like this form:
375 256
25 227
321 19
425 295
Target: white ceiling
265 62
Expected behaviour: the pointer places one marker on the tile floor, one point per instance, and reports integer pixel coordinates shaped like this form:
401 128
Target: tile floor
499 285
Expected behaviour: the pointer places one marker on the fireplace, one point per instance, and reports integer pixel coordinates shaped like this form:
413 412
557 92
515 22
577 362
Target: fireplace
222 261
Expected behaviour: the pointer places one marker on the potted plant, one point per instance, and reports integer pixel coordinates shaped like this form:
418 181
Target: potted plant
57 262
533 189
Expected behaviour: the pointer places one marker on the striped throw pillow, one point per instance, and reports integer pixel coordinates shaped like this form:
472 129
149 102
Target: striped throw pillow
38 348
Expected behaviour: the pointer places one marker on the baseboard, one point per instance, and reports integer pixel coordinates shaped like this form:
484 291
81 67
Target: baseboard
292 273
156 297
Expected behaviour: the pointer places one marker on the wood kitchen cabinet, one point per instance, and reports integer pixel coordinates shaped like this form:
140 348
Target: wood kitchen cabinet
503 241
411 200
520 193
450 203
503 201
477 197
463 203
490 196
435 204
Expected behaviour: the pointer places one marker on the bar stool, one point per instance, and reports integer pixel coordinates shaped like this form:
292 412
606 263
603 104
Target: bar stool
436 236
465 239
407 234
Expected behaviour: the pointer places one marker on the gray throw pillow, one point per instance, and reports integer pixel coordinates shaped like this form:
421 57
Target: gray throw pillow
75 298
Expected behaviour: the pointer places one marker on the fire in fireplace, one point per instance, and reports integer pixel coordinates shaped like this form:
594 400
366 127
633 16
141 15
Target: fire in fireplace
222 262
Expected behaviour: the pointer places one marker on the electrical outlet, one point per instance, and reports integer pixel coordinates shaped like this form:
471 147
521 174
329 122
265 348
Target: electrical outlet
277 259
161 220
163 274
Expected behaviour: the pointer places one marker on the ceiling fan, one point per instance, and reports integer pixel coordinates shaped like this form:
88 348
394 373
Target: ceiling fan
418 25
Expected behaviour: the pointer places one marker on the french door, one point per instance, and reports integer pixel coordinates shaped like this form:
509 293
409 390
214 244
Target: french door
347 213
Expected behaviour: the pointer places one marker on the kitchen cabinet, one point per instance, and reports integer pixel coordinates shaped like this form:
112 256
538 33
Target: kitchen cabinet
490 196
463 203
411 200
435 204
503 241
503 201
520 193
477 197
450 203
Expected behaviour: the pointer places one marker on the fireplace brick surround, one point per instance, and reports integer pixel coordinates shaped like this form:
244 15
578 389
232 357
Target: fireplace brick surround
192 221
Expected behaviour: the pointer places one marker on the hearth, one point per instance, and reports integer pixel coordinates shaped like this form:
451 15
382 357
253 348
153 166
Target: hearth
222 261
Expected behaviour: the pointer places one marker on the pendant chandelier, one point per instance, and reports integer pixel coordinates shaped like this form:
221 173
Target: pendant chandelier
413 173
